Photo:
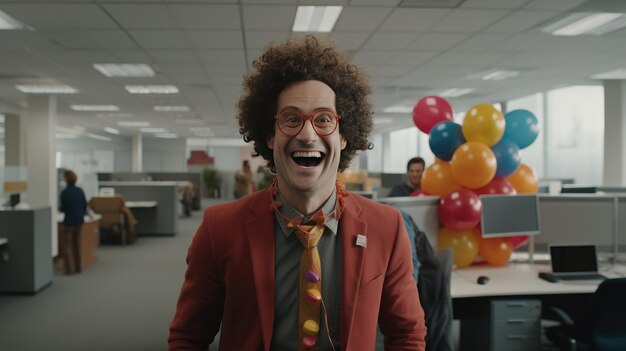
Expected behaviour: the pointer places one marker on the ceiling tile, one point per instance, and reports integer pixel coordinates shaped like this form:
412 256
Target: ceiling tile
193 16
388 3
481 41
173 56
60 16
468 20
350 40
143 16
227 70
412 20
160 39
354 19
130 56
10 39
259 39
490 4
256 17
553 5
216 39
521 21
436 41
72 39
390 41
221 56
370 57
412 57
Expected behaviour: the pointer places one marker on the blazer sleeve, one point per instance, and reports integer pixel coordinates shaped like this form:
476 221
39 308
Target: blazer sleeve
200 304
401 315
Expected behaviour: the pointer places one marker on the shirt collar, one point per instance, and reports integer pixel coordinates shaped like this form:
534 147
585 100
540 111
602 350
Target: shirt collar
290 212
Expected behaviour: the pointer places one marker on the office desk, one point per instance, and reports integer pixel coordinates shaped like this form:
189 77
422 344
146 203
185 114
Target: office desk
89 240
141 204
484 309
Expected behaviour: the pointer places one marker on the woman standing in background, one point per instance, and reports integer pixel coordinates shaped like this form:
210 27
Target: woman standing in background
244 181
74 204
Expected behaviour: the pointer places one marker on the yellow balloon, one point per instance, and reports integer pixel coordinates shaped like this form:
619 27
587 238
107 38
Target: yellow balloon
483 124
463 243
437 179
473 165
524 180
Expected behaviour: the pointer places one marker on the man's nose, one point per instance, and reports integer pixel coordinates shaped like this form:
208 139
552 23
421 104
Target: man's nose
307 134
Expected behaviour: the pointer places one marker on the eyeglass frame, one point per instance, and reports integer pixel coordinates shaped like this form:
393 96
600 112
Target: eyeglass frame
307 117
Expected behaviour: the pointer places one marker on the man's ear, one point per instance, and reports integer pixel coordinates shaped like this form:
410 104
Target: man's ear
270 142
344 142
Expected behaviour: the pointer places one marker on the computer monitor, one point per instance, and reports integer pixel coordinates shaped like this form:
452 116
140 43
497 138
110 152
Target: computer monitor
578 189
509 215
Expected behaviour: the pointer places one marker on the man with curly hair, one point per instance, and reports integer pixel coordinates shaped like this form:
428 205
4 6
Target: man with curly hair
305 109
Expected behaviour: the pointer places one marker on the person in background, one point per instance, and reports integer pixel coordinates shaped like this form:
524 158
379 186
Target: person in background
414 170
255 264
74 205
244 181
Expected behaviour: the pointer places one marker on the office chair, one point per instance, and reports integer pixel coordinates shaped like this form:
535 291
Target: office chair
117 222
603 327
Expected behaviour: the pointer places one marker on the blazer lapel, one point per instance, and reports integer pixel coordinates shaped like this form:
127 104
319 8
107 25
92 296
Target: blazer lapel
351 227
260 230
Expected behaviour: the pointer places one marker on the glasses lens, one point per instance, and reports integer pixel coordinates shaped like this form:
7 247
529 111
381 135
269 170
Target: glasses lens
290 121
325 122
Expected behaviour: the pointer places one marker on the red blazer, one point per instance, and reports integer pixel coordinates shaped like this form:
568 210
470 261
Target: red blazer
230 280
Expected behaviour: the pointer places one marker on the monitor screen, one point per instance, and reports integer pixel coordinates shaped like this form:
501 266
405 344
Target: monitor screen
509 215
573 258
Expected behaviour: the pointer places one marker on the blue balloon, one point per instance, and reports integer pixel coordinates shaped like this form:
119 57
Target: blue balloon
507 156
445 138
522 127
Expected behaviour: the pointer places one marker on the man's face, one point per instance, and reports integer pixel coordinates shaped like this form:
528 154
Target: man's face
415 174
306 162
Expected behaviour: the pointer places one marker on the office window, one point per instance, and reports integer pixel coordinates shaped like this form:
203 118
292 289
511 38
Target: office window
424 149
375 155
575 134
403 145
533 154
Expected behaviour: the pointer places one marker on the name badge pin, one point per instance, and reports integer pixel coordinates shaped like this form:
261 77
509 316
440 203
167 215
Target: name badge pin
361 240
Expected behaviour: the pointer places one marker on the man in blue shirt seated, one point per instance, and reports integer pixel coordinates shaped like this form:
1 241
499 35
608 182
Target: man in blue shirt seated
74 204
414 170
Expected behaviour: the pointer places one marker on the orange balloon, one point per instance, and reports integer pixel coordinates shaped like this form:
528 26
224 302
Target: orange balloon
524 180
496 251
473 165
484 124
463 243
437 179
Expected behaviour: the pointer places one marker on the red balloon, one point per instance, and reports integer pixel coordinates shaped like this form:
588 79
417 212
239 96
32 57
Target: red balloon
418 192
497 186
517 241
429 111
460 210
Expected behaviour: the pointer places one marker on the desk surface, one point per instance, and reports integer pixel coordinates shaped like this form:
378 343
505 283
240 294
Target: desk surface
140 204
88 219
520 279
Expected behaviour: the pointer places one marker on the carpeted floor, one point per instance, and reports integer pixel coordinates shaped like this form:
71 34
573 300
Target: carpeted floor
124 301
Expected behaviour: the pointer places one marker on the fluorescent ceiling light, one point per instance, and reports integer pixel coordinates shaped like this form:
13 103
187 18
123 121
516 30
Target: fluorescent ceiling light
587 23
153 130
9 23
614 74
180 108
133 124
455 92
494 74
98 137
94 108
166 135
111 130
316 18
398 109
124 69
66 136
46 89
152 89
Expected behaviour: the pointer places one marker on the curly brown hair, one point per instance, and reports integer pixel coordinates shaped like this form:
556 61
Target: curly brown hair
299 59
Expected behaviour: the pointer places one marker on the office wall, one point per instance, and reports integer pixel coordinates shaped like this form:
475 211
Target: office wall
164 155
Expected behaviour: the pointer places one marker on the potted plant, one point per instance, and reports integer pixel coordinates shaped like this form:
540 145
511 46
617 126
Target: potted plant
212 182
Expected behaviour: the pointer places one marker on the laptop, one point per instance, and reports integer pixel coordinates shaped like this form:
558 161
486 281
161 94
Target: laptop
575 262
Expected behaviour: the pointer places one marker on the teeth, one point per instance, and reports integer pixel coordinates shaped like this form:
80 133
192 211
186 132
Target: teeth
307 154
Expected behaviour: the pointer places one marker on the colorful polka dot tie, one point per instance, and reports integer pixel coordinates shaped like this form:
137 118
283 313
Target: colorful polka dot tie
310 286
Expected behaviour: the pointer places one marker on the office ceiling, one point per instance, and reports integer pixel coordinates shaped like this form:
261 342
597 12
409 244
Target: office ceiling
204 47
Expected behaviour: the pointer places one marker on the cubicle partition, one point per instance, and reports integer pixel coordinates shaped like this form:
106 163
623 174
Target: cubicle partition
194 177
28 268
423 210
160 217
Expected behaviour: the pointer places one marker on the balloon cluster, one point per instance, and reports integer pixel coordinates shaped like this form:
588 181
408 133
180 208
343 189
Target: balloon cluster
481 156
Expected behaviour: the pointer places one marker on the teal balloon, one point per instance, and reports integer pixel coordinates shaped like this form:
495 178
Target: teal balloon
508 157
445 138
521 128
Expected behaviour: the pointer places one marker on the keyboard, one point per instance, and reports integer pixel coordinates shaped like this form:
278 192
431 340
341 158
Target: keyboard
592 276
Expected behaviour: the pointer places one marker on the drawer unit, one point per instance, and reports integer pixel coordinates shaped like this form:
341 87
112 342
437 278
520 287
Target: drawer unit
515 325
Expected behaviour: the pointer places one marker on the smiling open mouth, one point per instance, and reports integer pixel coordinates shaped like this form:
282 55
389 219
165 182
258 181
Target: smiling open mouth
307 158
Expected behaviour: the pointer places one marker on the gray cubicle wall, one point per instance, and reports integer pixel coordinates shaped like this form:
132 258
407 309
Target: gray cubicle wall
29 232
160 220
423 210
575 219
194 177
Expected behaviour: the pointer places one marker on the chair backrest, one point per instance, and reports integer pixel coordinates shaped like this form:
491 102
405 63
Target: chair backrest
606 317
110 208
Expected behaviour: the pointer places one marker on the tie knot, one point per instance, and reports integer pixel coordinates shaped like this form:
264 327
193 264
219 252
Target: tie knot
309 235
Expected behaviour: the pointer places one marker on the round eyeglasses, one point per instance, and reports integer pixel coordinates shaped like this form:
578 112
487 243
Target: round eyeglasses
291 120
